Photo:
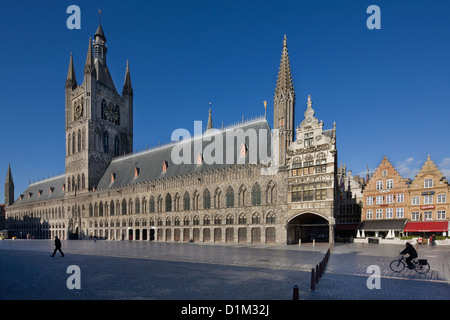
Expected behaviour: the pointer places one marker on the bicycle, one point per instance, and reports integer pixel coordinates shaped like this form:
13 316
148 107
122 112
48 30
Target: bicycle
420 266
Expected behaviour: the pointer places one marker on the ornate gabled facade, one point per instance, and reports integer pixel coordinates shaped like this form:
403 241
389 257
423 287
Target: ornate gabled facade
311 160
246 193
428 193
385 199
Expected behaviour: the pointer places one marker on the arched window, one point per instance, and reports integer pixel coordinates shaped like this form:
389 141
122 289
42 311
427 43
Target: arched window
91 211
152 204
116 146
206 199
101 210
69 144
270 218
186 221
256 195
230 219
168 202
106 142
137 206
206 220
256 218
79 140
83 185
103 109
242 218
217 219
124 206
111 205
230 197
73 143
186 201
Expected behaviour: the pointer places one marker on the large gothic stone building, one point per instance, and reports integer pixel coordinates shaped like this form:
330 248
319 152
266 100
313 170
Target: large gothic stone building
269 185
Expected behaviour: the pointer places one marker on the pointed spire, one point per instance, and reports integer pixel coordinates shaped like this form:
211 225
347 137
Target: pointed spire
9 178
127 89
284 82
9 187
210 125
71 81
89 67
99 33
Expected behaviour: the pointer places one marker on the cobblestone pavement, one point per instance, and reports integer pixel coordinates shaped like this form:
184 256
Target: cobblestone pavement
193 271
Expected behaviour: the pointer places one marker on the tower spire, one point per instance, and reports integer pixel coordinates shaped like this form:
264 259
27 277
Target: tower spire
9 187
284 106
127 88
71 81
210 125
89 67
284 82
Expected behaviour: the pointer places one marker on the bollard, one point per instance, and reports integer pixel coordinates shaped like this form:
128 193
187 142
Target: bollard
295 295
314 242
320 269
317 273
313 281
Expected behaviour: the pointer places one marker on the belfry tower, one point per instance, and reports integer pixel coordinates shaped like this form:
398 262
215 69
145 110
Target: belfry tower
283 107
99 121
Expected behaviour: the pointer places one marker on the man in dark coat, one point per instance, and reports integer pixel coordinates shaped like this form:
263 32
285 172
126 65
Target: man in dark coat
57 247
412 254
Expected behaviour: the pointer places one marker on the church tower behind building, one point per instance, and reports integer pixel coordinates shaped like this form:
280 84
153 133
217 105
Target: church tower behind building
284 106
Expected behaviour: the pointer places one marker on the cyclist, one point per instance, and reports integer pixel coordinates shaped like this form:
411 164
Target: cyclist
412 254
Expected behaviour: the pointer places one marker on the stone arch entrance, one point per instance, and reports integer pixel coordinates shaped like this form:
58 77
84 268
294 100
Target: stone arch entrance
308 226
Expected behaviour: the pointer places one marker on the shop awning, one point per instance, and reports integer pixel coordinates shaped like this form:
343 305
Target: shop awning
427 226
383 225
344 226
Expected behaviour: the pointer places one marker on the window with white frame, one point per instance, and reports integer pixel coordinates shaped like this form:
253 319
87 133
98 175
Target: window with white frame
428 183
380 185
428 215
440 215
389 213
400 197
400 213
389 183
428 199
369 214
379 214
415 200
415 216
379 199
389 198
441 198
369 201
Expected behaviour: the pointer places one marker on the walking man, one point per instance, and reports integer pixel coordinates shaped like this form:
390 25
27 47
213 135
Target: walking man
57 247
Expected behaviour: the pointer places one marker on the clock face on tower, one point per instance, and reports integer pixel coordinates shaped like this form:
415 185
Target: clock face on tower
78 112
111 113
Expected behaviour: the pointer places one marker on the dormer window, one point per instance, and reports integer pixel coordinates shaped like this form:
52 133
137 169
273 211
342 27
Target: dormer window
39 193
30 194
21 197
244 150
63 187
50 190
199 159
136 172
113 177
165 166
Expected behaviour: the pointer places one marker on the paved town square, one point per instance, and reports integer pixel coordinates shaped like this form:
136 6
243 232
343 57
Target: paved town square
127 270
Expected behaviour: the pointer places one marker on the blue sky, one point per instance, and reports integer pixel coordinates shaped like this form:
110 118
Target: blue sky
387 90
